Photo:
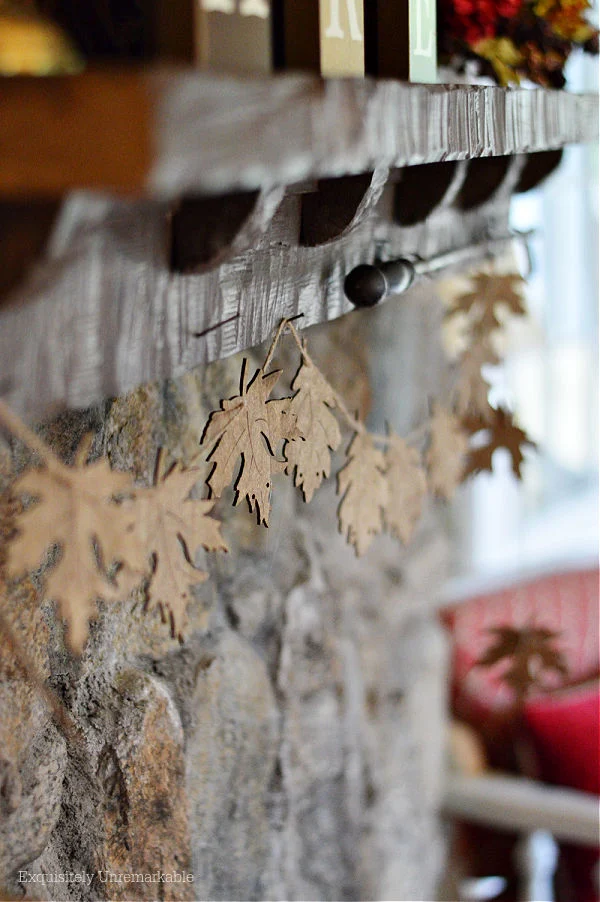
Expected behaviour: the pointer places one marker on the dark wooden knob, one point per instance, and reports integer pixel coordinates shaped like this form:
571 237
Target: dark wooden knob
366 284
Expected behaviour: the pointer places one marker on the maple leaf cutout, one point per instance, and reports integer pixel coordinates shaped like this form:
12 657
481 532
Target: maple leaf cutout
173 527
488 292
448 445
471 392
249 426
529 651
500 432
407 486
76 510
363 488
309 456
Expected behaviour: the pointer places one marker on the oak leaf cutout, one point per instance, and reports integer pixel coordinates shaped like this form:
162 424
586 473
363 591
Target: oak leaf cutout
173 526
363 488
251 427
529 652
500 432
309 456
471 392
76 510
407 487
445 458
488 292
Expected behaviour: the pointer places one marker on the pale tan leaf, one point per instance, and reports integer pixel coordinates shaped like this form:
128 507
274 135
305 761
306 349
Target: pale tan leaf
407 487
491 291
309 456
363 489
173 527
76 509
249 427
472 389
445 459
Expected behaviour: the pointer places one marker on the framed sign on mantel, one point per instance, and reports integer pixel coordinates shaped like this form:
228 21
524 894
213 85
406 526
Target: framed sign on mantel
324 36
218 35
401 39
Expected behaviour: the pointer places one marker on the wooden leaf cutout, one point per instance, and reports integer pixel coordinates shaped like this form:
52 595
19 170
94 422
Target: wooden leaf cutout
76 509
363 488
448 444
407 487
174 526
500 432
471 393
488 292
529 652
249 426
309 456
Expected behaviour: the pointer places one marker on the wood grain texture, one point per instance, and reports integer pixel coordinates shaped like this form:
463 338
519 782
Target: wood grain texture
166 132
104 312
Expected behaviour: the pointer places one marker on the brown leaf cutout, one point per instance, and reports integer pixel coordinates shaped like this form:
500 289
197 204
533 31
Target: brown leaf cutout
249 426
76 509
471 392
363 488
173 527
488 292
407 487
529 652
500 432
309 456
445 458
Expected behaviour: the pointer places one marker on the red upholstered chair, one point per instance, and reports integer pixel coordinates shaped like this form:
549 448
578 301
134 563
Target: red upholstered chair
560 718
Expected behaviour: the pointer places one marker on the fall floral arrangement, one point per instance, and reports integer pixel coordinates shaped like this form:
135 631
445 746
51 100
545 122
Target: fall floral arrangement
513 40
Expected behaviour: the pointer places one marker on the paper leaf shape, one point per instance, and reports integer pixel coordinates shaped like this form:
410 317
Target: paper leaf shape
75 509
407 487
363 488
445 458
488 292
529 651
309 457
501 432
250 427
173 527
471 393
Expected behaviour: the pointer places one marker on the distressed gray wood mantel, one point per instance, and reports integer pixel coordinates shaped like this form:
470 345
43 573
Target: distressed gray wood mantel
297 127
104 311
192 132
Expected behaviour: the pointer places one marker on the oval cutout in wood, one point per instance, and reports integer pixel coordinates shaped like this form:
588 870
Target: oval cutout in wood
420 190
329 211
538 166
205 231
484 176
25 228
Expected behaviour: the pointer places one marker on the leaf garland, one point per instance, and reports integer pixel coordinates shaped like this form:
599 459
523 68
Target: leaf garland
407 488
363 488
445 458
76 509
173 527
491 291
308 455
249 427
113 534
498 430
528 651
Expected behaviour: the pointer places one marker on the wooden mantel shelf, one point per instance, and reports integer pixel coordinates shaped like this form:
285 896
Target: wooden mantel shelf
290 183
160 133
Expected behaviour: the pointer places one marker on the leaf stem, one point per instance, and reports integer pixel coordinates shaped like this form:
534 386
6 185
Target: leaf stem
11 422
